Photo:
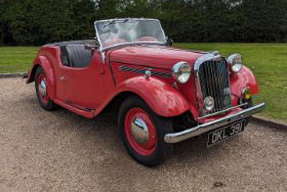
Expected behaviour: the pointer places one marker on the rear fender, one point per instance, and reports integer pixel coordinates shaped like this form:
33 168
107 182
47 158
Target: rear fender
43 62
161 97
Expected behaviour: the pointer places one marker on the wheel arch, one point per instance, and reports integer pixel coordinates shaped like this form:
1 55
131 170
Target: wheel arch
44 63
117 100
160 96
31 76
245 78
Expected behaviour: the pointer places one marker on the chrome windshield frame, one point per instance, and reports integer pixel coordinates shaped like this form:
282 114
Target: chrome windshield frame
138 43
103 49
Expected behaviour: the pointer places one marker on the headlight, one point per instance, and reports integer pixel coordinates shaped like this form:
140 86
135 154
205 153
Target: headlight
236 62
181 72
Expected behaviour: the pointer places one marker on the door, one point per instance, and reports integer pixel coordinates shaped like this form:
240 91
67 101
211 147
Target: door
84 85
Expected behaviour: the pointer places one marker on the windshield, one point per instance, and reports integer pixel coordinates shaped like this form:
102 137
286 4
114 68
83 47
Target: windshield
129 31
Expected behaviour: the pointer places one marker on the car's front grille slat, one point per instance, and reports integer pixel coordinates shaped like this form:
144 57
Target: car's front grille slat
214 82
218 90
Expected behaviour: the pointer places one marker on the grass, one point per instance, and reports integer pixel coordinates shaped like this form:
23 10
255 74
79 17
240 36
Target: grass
16 59
267 61
269 64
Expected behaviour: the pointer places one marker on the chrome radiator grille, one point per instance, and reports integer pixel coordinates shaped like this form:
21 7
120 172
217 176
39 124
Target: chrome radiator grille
214 82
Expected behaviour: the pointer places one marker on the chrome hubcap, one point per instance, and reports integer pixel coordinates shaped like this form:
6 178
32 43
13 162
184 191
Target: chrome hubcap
140 131
43 88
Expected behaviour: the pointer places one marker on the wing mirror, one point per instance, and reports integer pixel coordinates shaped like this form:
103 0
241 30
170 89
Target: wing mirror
169 42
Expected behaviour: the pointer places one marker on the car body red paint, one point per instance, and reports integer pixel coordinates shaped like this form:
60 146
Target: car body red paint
141 69
94 86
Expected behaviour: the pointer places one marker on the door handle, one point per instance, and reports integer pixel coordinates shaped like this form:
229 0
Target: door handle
62 78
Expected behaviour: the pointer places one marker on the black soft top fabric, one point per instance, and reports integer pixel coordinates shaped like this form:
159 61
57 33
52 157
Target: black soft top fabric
75 53
65 43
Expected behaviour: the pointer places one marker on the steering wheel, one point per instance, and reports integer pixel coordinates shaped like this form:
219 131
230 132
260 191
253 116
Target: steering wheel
112 40
147 38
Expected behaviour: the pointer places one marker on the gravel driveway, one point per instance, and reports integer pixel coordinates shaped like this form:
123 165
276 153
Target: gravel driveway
60 151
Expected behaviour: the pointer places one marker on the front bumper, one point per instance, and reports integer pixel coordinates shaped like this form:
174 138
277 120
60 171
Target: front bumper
206 127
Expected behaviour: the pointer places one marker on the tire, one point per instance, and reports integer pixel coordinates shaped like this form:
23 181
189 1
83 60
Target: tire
41 91
151 150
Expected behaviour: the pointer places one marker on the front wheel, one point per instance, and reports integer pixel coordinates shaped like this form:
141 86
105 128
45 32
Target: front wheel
142 132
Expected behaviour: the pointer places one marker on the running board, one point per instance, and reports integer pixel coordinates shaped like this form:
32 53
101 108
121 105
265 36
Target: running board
88 113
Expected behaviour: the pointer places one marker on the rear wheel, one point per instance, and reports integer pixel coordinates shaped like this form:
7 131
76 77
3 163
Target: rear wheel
41 87
142 132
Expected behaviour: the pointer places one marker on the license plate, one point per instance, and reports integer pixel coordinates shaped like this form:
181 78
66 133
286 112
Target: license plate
225 133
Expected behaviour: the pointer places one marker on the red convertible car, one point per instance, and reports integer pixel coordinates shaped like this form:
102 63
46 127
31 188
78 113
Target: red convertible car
163 95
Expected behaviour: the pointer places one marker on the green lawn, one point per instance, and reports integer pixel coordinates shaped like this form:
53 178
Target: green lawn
269 64
16 59
267 61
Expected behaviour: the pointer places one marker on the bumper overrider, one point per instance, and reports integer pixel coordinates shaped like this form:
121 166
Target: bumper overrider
206 127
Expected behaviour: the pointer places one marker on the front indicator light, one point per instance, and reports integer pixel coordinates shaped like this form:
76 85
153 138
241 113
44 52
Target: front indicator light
247 93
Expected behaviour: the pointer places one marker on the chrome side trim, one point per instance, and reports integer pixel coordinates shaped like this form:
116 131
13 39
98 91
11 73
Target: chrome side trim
206 127
143 71
221 112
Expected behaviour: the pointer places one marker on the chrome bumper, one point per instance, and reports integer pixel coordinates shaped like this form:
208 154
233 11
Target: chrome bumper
206 127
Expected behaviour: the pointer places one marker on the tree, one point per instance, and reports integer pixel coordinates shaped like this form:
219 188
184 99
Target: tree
35 22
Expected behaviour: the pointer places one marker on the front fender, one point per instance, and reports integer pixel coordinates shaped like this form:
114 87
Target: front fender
244 78
44 63
161 97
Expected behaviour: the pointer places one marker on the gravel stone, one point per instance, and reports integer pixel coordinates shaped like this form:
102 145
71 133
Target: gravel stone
61 151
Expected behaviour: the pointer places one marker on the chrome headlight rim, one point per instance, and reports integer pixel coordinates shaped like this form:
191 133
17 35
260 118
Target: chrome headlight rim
236 62
181 72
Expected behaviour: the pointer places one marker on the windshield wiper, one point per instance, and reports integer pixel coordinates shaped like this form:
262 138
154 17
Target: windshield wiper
112 22
116 20
126 20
